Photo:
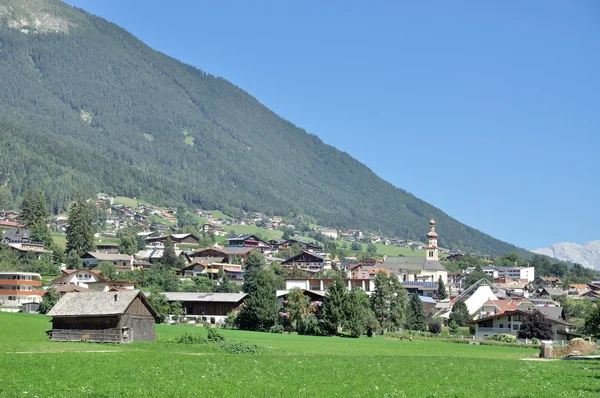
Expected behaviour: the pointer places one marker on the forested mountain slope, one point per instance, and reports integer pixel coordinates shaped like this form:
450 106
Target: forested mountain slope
86 106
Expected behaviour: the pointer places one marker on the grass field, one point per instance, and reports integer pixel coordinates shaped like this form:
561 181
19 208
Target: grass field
287 366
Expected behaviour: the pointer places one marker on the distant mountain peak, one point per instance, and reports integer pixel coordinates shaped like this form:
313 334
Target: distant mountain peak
587 255
34 16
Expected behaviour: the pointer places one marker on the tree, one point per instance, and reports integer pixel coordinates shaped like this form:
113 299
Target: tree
161 277
389 301
460 313
160 303
536 325
40 233
453 327
107 269
260 309
356 246
130 241
73 261
435 325
441 292
415 316
80 227
357 312
474 277
204 284
592 321
50 299
169 258
255 263
298 306
333 305
6 198
371 248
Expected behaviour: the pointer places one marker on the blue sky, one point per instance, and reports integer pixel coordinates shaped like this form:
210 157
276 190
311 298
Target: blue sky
487 110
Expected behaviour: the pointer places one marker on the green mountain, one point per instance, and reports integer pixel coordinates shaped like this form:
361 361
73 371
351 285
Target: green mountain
86 106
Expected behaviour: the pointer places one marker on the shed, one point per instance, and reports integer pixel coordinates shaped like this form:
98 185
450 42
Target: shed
103 317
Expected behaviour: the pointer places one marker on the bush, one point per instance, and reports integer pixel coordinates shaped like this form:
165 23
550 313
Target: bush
506 338
472 328
230 320
308 326
192 338
277 328
238 347
435 327
213 335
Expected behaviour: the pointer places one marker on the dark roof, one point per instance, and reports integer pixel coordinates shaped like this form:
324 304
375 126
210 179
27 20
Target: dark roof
303 253
426 285
16 235
97 303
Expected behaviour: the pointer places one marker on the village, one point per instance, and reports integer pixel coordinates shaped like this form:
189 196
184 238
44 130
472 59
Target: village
105 297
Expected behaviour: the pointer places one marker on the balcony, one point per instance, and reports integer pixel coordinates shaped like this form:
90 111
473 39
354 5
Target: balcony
492 331
19 282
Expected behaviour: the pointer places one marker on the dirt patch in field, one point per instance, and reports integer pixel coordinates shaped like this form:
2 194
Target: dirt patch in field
578 346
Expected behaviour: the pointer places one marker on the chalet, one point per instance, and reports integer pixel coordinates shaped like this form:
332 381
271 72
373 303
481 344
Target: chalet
10 224
248 240
549 292
416 269
64 289
159 226
509 322
154 254
211 266
228 253
28 248
306 261
80 277
111 317
321 284
16 236
546 281
189 239
212 307
92 259
304 244
211 227
329 232
109 285
18 288
111 248
425 289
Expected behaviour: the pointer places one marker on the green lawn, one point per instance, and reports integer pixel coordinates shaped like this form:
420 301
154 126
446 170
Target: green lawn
287 366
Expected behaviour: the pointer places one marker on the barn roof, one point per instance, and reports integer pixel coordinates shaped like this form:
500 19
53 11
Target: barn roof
97 303
204 297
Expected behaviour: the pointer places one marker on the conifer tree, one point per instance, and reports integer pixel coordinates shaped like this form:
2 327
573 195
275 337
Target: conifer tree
169 257
415 316
441 292
398 302
333 305
460 313
255 262
358 312
80 227
260 308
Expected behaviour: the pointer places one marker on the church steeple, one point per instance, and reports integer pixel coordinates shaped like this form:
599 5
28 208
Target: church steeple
431 251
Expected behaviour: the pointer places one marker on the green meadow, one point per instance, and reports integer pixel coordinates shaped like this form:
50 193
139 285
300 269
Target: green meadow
286 366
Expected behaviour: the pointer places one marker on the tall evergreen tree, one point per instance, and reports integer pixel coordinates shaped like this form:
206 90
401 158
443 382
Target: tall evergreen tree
398 302
169 257
260 308
415 316
358 312
255 262
460 313
80 227
441 292
333 305
381 298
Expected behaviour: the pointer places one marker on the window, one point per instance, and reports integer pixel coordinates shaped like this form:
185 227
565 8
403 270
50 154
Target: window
12 298
515 327
501 326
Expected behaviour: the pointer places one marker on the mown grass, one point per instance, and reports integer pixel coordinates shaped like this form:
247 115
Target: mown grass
288 365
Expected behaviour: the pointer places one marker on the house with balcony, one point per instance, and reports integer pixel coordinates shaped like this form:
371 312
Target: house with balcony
509 322
321 284
79 277
18 288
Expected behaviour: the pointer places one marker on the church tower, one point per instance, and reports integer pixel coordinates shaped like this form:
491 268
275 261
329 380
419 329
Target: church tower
431 251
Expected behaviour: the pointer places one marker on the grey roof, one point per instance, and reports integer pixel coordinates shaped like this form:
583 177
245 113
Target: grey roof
205 297
16 235
555 292
404 259
433 265
96 303
399 267
101 256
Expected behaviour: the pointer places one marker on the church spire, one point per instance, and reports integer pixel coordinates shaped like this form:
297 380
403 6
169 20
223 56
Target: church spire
431 251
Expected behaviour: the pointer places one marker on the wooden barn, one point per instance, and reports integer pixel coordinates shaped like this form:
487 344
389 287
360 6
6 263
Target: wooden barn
103 317
207 306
